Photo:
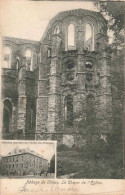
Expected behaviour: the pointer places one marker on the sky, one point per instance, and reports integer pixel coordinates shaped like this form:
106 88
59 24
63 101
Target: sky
29 19
44 149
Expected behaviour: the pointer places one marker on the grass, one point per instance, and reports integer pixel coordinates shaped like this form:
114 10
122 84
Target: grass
72 161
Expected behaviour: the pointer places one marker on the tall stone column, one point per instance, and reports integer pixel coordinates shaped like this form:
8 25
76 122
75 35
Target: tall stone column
54 101
104 107
22 100
42 93
80 92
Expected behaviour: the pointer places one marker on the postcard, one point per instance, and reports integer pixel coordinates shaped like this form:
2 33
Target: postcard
62 97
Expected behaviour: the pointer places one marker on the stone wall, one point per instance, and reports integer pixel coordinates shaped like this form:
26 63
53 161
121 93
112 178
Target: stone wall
60 71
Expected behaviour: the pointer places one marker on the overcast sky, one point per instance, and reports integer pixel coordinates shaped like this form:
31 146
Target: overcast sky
44 149
29 19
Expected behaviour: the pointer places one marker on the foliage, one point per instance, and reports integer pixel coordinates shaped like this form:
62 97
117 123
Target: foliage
115 13
101 158
63 147
52 164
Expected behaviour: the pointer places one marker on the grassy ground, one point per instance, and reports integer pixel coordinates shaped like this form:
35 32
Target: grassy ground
76 163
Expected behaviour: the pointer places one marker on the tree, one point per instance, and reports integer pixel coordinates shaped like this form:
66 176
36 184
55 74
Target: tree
52 164
114 13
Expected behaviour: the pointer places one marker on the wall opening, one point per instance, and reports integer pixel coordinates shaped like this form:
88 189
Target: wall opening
29 60
89 38
56 30
69 111
7 57
71 37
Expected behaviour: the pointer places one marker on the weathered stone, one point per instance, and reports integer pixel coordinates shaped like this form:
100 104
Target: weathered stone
81 72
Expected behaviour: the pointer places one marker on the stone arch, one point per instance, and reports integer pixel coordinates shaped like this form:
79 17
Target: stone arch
30 119
101 27
32 115
92 21
17 63
70 25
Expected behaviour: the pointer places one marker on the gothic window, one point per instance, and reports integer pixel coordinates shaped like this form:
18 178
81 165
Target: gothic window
71 37
69 111
28 60
101 28
17 63
89 37
7 57
56 31
7 116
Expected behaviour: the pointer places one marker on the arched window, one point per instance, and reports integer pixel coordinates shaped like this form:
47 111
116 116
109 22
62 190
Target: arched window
17 63
29 60
56 31
7 57
7 116
89 42
71 37
88 32
69 110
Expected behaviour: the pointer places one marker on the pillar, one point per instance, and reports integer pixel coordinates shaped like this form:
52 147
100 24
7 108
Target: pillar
22 100
54 99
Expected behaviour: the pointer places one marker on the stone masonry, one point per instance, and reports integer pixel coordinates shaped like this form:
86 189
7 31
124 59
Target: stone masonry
63 88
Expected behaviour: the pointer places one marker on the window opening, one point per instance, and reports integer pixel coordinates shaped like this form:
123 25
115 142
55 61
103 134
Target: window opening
28 60
90 109
7 57
56 31
71 36
89 64
89 41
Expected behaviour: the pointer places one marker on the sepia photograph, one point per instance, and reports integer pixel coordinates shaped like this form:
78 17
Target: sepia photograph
63 80
28 159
